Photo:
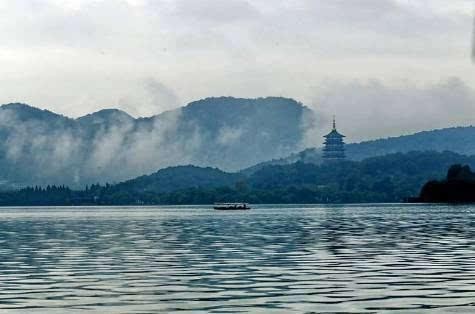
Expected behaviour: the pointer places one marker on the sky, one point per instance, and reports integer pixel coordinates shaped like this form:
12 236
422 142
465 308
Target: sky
383 67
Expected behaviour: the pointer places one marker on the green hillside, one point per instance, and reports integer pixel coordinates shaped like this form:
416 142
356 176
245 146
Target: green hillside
390 178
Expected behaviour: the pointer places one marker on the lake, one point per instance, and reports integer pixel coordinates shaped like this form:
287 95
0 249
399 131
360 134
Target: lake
272 259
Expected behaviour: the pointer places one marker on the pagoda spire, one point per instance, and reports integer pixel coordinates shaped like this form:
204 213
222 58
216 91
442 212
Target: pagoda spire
334 122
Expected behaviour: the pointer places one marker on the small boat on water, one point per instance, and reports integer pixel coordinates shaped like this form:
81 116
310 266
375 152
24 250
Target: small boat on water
231 206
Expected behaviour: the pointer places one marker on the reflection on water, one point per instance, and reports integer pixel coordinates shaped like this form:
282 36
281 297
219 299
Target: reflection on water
347 259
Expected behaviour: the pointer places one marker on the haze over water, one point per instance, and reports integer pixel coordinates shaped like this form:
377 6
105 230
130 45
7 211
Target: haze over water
272 259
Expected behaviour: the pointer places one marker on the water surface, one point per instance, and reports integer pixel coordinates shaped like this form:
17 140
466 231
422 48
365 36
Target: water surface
272 259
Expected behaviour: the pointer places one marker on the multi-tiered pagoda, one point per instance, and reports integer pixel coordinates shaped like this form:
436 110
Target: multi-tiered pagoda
334 149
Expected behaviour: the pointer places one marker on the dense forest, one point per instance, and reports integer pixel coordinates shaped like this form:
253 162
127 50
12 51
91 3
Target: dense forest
390 178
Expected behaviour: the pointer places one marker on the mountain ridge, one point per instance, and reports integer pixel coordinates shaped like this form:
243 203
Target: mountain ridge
217 101
459 139
40 147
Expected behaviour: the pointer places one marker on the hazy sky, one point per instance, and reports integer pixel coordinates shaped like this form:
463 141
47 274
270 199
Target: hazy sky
385 67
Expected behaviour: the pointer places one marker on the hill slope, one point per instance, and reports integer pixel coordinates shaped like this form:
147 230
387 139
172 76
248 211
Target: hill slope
460 140
180 178
41 147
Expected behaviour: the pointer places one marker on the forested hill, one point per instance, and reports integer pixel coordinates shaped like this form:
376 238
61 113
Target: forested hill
389 178
179 178
460 140
39 147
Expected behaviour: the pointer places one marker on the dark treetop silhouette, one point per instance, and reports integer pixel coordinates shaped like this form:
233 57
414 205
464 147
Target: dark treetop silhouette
458 187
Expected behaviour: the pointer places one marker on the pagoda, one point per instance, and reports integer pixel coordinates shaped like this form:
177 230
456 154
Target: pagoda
334 149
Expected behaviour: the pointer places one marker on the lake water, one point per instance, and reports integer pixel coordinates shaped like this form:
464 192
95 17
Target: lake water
272 259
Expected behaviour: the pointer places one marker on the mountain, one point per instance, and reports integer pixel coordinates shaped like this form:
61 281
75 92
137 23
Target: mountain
460 140
25 113
39 147
28 150
389 178
243 131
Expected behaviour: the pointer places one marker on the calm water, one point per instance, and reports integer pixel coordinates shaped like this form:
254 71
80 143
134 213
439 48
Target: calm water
299 259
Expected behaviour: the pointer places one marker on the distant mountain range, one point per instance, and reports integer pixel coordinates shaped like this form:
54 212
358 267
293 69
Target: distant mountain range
39 147
460 140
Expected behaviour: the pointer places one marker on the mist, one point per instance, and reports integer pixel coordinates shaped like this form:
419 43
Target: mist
373 109
41 147
383 67
145 57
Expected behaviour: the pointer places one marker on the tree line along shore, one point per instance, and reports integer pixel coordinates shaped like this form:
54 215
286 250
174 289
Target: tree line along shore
389 178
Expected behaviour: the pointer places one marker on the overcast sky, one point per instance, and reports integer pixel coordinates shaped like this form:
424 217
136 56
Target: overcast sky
384 67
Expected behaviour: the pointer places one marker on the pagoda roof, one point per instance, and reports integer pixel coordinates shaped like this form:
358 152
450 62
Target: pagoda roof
334 133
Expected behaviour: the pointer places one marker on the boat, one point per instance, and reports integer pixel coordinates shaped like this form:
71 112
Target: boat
231 206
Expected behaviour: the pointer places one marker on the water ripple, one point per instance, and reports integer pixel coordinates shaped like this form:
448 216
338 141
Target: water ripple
272 259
